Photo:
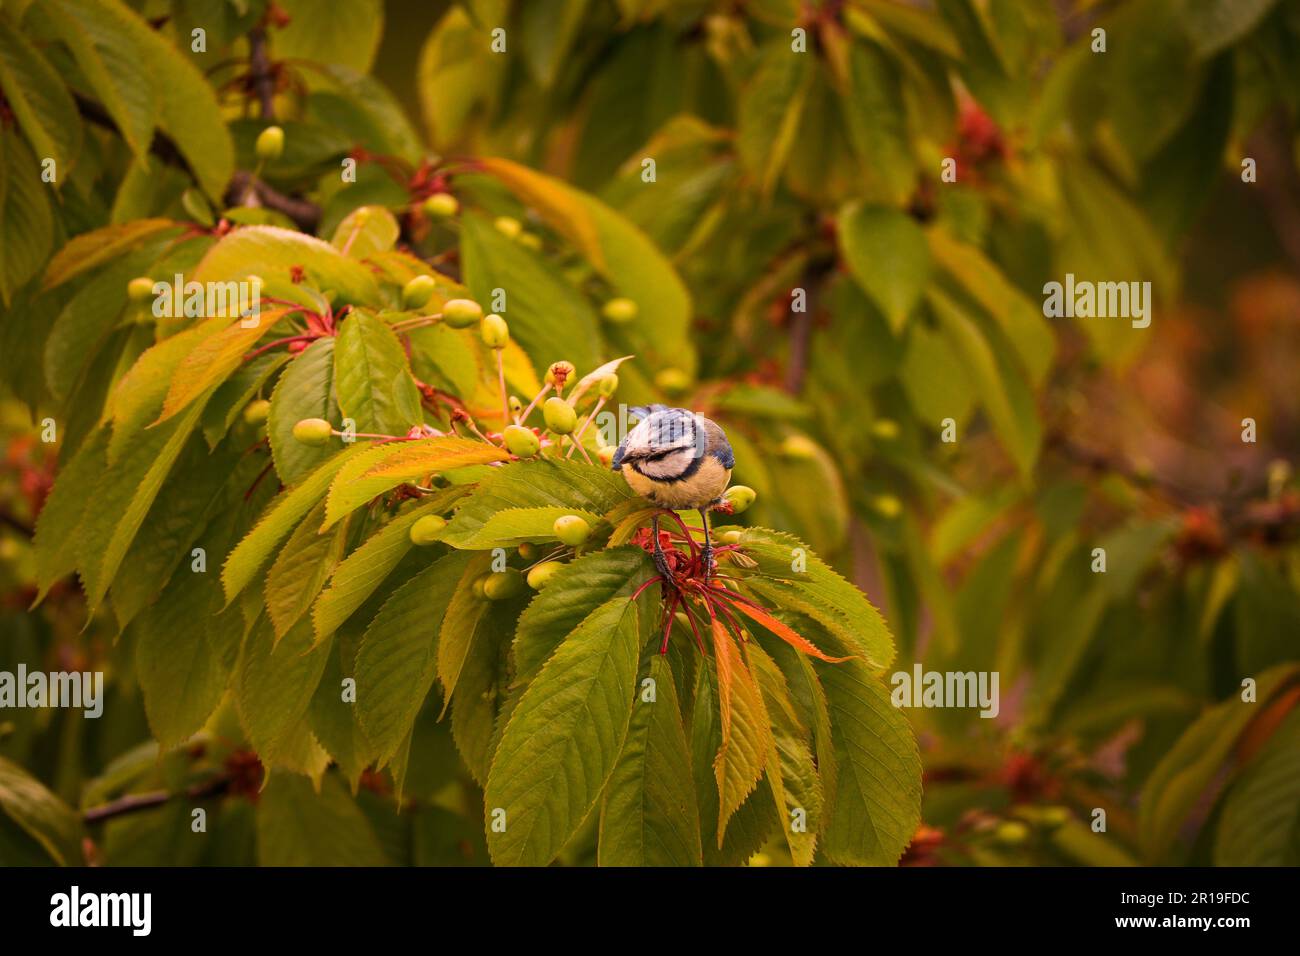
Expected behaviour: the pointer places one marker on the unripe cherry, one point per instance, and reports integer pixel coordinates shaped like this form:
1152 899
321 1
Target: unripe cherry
479 585
673 381
543 573
732 537
572 530
619 311
427 529
441 206
521 441
560 416
255 412
270 143
885 429
495 332
139 290
528 551
740 497
887 506
508 226
516 405
313 431
799 448
502 585
461 313
417 293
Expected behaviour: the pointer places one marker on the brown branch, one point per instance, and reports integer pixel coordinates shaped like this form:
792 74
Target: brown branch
263 80
10 520
138 802
304 213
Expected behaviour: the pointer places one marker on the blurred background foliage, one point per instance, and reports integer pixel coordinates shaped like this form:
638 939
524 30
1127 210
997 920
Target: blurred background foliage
784 177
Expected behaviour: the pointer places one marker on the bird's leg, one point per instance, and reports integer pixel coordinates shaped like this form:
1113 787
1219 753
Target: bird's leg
708 543
661 562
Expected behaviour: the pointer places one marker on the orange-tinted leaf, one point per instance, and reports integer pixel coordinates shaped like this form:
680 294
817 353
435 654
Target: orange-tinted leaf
786 633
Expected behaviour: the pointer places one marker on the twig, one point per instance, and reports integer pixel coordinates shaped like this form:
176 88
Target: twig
262 79
137 802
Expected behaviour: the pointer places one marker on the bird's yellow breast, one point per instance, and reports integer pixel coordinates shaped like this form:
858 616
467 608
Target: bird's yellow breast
708 482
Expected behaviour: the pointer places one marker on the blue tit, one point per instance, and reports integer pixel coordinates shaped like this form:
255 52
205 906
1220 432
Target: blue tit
676 459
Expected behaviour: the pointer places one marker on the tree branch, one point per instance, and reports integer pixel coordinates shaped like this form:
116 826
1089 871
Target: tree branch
304 212
138 802
260 72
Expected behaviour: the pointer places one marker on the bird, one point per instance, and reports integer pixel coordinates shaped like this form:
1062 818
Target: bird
676 458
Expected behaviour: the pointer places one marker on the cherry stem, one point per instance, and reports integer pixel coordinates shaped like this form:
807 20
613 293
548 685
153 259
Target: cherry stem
577 439
306 337
501 378
533 404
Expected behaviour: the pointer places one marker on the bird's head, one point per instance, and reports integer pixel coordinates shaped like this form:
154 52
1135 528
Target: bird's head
665 444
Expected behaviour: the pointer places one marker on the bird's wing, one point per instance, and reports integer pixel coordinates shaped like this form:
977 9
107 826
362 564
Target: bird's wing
718 445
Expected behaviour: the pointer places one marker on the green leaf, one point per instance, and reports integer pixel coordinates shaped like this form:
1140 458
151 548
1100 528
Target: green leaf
535 484
113 64
749 826
1021 320
202 488
274 683
136 399
86 322
94 248
130 486
887 253
190 112
217 355
463 626
564 737
40 814
875 807
26 223
40 101
457 75
361 107
299 827
1215 25
395 660
1001 384
817 591
550 318
348 35
877 123
791 770
513 526
301 569
768 111
1190 772
575 591
57 524
648 816
746 734
272 253
382 467
283 514
620 252
230 399
305 390
362 571
365 231
181 676
1260 823
372 378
